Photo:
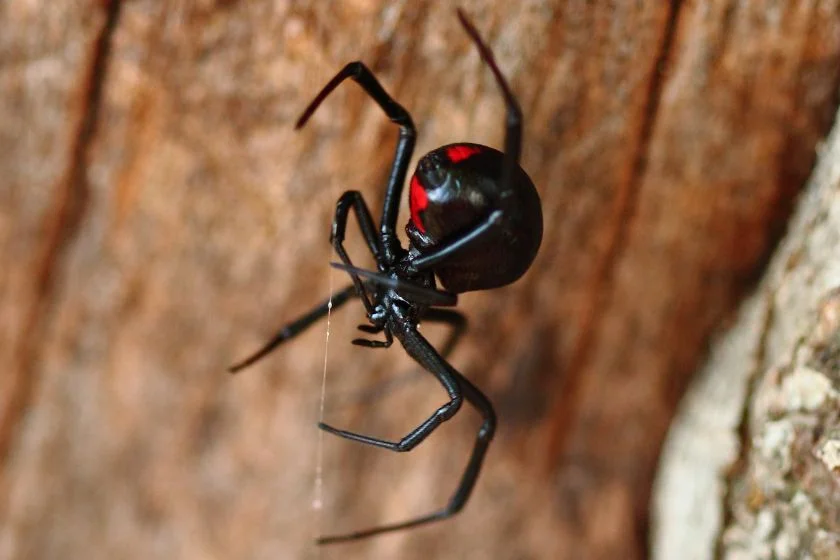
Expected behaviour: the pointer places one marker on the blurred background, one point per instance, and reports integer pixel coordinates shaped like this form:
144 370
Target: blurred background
160 219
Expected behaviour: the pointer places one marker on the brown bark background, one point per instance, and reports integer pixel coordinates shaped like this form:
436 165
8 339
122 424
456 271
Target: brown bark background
159 218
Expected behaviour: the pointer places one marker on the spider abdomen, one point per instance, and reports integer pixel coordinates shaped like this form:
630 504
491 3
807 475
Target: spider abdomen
454 190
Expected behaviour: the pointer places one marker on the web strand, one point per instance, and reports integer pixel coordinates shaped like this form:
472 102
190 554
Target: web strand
318 492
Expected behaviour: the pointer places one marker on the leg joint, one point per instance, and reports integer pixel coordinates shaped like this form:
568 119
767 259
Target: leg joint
451 408
487 430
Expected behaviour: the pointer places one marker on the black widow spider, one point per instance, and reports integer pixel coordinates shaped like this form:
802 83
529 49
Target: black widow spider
476 224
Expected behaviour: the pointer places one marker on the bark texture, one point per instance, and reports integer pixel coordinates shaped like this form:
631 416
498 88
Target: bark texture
159 218
751 467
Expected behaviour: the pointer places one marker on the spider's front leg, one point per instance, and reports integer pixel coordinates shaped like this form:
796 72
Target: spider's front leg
362 75
347 201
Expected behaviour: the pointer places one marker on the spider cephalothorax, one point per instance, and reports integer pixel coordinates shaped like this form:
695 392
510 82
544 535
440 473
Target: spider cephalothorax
476 224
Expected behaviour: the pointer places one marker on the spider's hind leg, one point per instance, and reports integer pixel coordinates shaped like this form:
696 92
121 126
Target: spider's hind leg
424 354
459 388
513 119
455 320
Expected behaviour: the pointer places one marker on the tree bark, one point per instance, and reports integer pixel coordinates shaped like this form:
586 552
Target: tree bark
750 468
159 218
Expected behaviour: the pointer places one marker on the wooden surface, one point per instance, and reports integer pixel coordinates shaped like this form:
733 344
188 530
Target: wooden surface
159 218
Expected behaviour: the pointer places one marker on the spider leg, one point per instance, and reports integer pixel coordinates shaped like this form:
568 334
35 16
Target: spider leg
513 147
449 317
513 120
465 240
418 348
347 201
296 327
360 73
459 388
389 340
354 200
454 319
419 294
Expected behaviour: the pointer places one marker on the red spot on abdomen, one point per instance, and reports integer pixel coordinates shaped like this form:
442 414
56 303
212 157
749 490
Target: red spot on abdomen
460 152
417 202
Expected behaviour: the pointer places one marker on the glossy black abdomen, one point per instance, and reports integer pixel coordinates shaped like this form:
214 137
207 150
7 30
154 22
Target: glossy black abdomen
461 186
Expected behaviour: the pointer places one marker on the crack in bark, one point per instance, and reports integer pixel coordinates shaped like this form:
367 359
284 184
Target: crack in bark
738 466
60 226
